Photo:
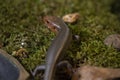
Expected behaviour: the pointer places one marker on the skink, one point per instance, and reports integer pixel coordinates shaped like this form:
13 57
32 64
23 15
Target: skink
57 47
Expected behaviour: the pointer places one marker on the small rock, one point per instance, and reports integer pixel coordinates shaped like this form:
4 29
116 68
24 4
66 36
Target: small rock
77 37
113 40
71 18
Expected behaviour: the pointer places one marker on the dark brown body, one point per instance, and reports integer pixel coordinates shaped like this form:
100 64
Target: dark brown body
58 45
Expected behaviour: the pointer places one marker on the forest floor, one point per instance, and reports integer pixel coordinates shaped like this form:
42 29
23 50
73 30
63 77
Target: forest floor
21 25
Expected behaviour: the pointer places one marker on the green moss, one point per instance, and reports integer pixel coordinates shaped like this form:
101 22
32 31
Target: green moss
21 21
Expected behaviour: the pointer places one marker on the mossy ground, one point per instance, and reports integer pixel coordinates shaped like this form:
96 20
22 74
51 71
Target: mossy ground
21 21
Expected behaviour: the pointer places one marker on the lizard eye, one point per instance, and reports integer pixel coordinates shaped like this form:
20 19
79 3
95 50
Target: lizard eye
47 21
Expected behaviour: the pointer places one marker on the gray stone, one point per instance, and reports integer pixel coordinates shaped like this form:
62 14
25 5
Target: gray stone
113 40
